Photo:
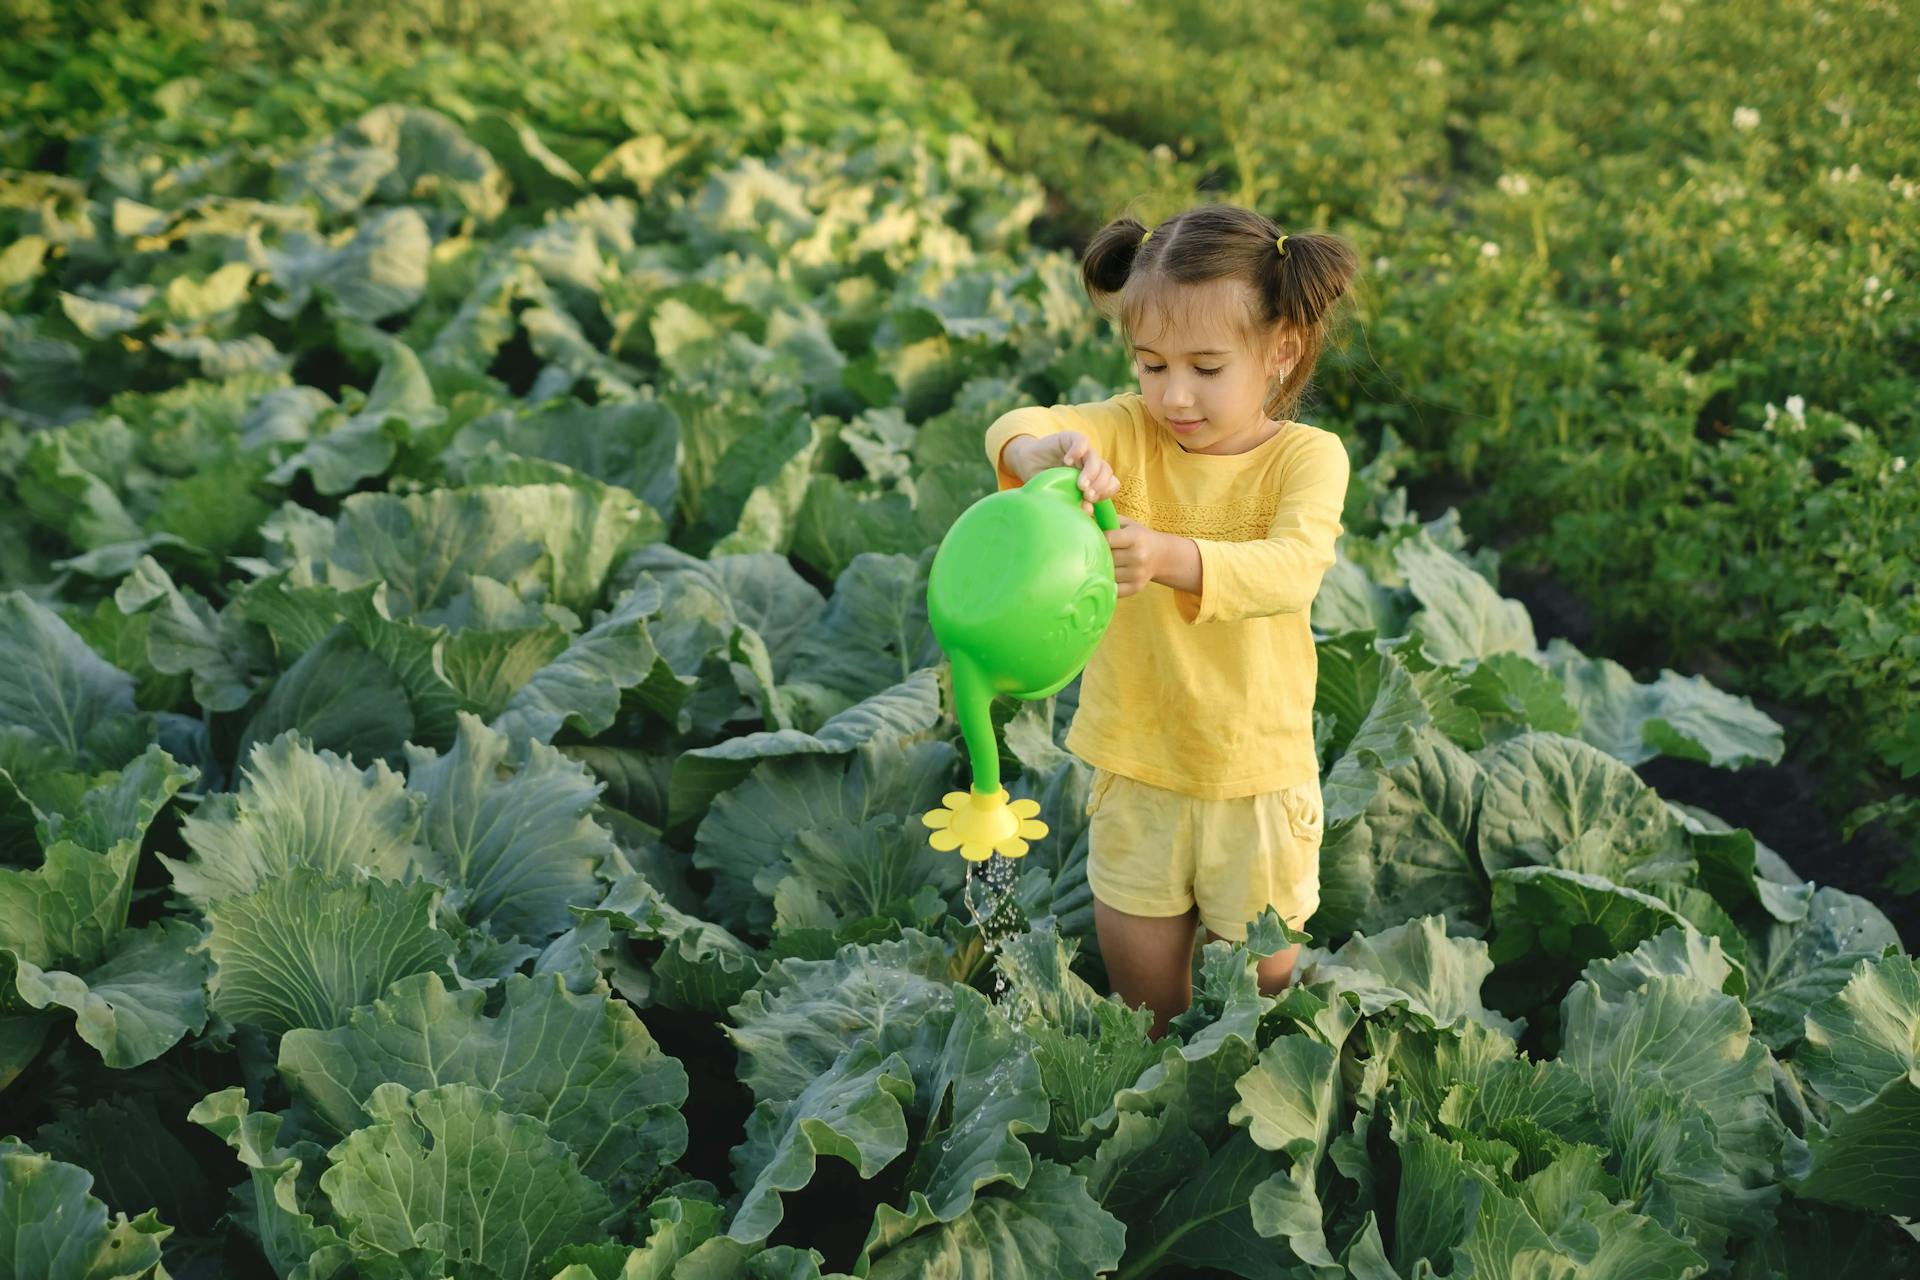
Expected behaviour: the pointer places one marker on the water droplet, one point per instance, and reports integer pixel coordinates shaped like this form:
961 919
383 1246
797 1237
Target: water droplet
991 909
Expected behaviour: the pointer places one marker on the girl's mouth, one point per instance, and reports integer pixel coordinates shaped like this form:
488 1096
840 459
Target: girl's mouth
1185 428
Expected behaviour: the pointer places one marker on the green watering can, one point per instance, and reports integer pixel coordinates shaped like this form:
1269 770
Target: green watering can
1020 592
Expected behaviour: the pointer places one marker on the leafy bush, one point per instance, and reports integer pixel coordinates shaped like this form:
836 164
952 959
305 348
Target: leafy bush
284 28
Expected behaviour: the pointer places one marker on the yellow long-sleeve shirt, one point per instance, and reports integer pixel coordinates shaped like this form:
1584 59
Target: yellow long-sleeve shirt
1208 694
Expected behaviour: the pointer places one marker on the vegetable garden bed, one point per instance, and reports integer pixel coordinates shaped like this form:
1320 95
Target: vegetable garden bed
469 699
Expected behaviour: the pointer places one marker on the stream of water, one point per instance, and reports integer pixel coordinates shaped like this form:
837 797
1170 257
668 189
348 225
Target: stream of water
990 902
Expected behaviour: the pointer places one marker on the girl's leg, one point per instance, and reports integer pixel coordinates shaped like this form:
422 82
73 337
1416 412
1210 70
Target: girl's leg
1276 971
1283 830
1149 959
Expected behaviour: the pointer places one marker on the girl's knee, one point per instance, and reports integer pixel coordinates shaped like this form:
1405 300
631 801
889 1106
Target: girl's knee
1276 970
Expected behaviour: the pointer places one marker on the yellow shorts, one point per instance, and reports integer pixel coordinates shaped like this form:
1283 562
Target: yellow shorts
1154 852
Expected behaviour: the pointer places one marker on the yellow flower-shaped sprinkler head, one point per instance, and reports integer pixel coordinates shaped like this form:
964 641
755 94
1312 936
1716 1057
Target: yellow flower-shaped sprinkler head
1019 594
981 826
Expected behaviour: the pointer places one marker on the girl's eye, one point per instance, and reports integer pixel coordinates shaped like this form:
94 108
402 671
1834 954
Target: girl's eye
1160 368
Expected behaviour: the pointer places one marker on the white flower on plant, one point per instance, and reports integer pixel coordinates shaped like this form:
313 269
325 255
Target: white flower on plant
1745 119
1873 282
1794 419
1488 249
1899 465
1886 295
1381 264
1514 184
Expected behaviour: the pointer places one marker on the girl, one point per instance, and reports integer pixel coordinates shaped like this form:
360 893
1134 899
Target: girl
1196 711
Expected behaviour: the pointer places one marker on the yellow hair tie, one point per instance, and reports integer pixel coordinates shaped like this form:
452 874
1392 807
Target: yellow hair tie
1146 237
1281 245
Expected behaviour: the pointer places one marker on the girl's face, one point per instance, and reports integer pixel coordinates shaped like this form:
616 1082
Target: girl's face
1202 383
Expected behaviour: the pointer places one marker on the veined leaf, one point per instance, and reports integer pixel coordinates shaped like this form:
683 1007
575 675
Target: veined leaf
583 1065
299 807
50 1227
448 1169
508 824
304 950
1863 1056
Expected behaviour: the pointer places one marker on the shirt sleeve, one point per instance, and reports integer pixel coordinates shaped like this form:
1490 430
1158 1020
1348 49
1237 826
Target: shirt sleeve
1102 422
1281 572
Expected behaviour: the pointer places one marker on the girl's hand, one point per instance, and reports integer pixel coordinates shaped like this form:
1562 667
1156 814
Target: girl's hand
1073 449
1097 480
1135 556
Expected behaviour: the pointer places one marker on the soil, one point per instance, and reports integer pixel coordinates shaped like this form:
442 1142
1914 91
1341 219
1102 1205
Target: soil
718 1103
1778 803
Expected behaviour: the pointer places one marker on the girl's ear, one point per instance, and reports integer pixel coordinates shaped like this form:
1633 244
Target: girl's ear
1283 352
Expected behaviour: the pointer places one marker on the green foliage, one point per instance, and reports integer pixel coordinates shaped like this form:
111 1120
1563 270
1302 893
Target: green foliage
1671 249
469 696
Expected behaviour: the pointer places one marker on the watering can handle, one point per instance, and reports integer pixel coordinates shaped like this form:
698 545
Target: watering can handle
1104 514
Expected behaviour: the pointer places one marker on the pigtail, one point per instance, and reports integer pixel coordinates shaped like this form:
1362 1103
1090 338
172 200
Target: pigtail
1110 258
1303 286
1310 277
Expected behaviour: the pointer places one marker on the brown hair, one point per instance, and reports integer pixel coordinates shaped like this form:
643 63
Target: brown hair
1126 279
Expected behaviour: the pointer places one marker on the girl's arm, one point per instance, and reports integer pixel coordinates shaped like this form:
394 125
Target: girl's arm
1280 573
1102 422
1177 561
